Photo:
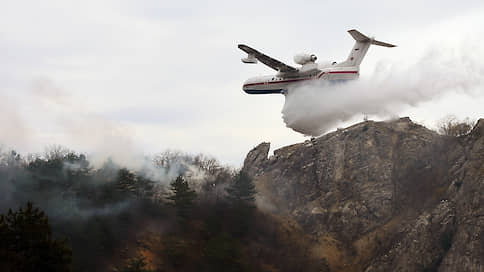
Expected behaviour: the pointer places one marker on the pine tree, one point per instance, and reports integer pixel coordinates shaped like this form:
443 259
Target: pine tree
182 197
241 196
27 243
241 193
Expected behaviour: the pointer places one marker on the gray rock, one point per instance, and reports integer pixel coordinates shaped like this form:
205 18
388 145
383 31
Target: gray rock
395 195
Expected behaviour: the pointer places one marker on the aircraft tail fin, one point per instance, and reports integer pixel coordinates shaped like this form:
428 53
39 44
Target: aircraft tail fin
361 46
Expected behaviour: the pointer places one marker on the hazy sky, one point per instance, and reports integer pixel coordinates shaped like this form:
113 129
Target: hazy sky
126 77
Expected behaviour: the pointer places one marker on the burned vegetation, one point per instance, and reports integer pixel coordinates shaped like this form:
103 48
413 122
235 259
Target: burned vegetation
176 213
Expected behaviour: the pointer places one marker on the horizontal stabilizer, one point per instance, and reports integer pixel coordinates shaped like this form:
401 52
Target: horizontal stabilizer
375 42
360 37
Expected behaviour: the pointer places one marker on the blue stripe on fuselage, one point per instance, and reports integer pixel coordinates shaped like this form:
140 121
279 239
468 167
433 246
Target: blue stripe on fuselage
264 91
281 91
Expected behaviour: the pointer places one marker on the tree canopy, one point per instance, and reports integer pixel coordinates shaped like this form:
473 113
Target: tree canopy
182 197
27 243
242 191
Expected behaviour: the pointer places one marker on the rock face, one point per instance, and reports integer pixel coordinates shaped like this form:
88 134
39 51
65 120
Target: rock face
381 196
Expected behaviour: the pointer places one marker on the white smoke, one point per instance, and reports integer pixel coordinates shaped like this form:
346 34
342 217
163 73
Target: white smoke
13 130
315 108
75 125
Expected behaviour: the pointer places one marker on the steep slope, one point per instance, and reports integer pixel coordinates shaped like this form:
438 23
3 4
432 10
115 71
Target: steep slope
381 196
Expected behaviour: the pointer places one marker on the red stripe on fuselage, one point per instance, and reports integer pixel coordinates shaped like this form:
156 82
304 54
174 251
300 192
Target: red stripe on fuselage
299 79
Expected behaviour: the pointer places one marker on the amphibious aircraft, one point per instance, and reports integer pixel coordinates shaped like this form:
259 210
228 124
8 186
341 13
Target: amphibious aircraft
309 69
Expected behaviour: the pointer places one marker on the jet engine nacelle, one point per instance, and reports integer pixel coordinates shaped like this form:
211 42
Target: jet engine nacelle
304 58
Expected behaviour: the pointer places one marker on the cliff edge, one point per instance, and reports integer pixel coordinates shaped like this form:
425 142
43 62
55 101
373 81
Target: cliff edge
381 196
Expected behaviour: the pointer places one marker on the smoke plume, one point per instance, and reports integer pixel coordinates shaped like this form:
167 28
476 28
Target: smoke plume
315 108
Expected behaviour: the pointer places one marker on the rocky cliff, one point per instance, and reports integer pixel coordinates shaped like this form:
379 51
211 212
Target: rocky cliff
381 196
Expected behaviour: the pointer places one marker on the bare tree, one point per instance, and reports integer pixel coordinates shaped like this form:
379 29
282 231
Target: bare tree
56 152
451 126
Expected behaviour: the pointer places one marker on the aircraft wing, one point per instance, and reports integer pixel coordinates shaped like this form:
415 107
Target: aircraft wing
273 63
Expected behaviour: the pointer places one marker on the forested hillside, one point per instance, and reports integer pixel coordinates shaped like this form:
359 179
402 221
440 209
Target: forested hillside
177 213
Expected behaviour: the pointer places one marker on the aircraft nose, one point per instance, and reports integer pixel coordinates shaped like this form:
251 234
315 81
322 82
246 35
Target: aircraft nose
246 85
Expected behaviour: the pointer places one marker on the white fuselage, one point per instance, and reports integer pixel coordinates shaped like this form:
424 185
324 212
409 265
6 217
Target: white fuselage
309 69
280 83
